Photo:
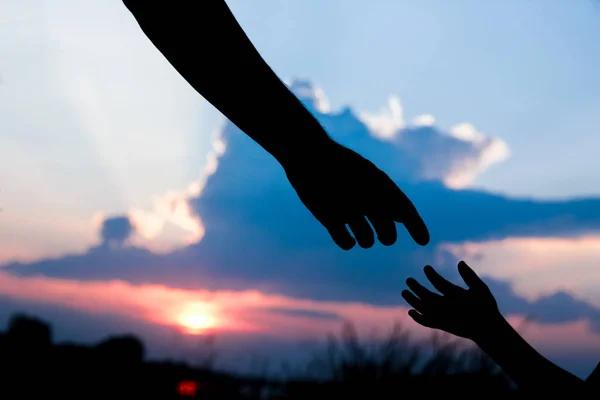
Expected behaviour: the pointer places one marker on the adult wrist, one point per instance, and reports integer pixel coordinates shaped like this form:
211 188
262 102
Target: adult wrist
307 149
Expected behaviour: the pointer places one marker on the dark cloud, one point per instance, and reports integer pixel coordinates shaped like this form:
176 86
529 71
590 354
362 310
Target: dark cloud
260 236
305 313
116 231
405 151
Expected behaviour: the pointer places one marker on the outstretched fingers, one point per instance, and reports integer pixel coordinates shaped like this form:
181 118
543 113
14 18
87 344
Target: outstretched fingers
421 319
439 282
340 235
470 277
424 294
421 300
404 211
413 301
362 231
385 227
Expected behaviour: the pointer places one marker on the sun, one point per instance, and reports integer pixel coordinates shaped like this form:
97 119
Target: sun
196 320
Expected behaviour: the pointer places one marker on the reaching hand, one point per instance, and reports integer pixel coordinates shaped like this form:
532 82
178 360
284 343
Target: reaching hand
467 313
340 187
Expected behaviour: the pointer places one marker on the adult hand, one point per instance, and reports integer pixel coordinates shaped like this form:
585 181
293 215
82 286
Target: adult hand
469 313
340 187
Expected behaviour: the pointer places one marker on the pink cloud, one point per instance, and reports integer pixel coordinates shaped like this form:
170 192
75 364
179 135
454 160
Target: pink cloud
251 311
539 266
231 311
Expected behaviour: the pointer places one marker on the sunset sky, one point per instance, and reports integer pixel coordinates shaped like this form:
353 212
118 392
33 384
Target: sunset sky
128 203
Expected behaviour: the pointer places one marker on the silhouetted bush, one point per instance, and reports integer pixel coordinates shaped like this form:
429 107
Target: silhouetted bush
33 367
395 365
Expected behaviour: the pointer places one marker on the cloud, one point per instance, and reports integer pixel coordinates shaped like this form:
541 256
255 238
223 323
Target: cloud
245 311
171 223
426 152
313 97
484 153
257 234
241 236
424 120
233 311
539 266
388 121
556 307
116 231
275 327
112 122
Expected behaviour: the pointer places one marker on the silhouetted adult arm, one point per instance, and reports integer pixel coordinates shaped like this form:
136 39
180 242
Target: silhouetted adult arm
473 314
203 41
206 45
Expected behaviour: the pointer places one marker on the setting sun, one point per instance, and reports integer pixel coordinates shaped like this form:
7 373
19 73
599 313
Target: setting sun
196 319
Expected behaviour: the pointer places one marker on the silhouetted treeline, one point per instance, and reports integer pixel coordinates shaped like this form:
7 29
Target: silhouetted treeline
33 367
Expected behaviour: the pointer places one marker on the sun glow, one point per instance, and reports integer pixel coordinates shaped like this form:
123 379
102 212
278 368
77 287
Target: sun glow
197 319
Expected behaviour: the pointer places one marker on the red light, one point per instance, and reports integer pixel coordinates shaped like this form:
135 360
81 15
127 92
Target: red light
187 388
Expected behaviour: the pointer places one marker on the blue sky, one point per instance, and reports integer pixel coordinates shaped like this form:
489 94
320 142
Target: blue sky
101 139
524 71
